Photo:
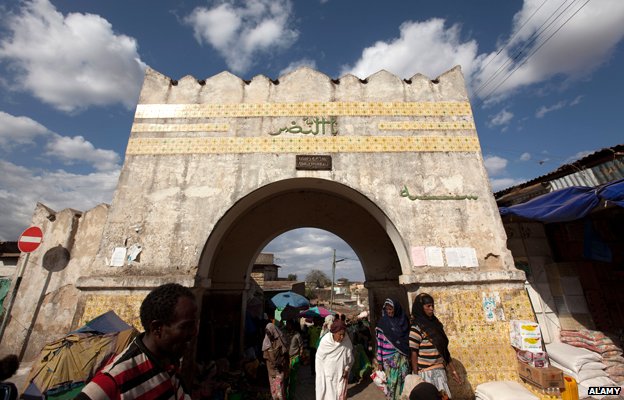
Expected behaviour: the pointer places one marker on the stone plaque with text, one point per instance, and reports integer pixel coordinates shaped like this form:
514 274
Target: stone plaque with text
314 163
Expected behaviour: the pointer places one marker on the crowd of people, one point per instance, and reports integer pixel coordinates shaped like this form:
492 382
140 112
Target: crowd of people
410 351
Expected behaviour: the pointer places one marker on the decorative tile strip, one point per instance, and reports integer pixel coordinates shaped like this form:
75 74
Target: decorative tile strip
166 127
425 125
334 144
334 108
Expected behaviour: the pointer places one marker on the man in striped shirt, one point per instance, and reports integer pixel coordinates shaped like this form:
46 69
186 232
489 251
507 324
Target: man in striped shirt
148 368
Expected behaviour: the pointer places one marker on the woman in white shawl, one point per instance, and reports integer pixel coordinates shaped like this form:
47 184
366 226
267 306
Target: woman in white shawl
333 361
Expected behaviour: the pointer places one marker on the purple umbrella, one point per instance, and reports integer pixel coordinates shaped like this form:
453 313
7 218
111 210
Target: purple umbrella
316 312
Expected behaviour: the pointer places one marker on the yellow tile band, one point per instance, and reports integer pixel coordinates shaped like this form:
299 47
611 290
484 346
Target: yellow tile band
334 108
334 144
424 125
126 307
138 127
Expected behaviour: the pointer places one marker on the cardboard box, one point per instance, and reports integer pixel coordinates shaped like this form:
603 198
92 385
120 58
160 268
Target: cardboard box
541 377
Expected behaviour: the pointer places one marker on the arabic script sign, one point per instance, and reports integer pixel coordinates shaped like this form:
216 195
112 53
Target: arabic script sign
314 163
311 126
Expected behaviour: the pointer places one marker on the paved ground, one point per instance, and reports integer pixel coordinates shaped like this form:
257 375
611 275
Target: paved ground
363 391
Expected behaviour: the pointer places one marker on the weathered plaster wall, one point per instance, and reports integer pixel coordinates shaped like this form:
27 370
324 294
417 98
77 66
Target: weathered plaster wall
177 196
46 303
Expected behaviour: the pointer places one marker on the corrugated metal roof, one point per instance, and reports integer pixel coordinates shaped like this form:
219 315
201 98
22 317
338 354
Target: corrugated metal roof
602 166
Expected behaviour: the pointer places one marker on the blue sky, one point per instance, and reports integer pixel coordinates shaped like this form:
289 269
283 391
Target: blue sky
542 77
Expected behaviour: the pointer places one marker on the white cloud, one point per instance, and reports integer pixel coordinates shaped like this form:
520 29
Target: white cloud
525 157
502 118
72 149
305 62
241 33
301 250
429 47
496 168
495 165
422 47
504 183
543 110
577 100
21 188
18 130
73 61
578 156
581 46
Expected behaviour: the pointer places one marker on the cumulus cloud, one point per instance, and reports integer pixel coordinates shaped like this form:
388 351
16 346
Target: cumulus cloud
70 61
525 156
495 165
305 62
73 149
496 168
301 250
239 33
431 47
427 47
503 183
502 118
580 46
21 188
19 130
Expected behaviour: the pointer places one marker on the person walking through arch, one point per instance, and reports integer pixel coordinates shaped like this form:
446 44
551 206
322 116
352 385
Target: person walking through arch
275 352
430 357
393 351
334 358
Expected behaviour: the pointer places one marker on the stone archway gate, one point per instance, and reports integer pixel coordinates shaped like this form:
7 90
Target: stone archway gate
203 155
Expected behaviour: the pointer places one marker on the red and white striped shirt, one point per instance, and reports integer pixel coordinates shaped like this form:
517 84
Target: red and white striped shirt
135 374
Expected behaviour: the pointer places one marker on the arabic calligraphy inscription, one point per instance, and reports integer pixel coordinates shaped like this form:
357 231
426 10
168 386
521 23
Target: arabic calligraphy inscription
311 126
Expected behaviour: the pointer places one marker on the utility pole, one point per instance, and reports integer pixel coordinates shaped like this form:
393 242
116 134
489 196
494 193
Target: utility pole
331 302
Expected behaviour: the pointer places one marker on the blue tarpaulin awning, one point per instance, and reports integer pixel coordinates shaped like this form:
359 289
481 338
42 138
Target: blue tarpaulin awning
567 204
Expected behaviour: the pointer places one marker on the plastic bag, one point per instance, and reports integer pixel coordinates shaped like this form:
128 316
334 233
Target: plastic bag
379 379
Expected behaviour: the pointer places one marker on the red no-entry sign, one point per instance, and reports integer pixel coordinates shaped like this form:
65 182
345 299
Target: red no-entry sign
30 239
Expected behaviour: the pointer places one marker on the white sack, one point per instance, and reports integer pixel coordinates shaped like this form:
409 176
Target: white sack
504 390
570 357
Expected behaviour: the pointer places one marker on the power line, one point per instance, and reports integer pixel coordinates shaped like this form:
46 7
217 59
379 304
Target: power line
514 35
534 36
537 49
548 22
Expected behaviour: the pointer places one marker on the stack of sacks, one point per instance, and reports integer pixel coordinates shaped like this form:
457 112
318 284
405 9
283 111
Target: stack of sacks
584 366
598 342
503 390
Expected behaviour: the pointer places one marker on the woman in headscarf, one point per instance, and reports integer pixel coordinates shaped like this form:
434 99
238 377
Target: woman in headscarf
392 334
275 352
428 342
333 362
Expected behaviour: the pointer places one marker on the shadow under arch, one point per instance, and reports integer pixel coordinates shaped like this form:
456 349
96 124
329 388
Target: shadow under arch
252 222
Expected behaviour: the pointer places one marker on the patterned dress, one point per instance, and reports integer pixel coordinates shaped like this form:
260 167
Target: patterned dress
395 365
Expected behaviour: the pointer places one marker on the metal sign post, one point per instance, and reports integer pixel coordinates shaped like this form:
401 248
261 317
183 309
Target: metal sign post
28 242
18 281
